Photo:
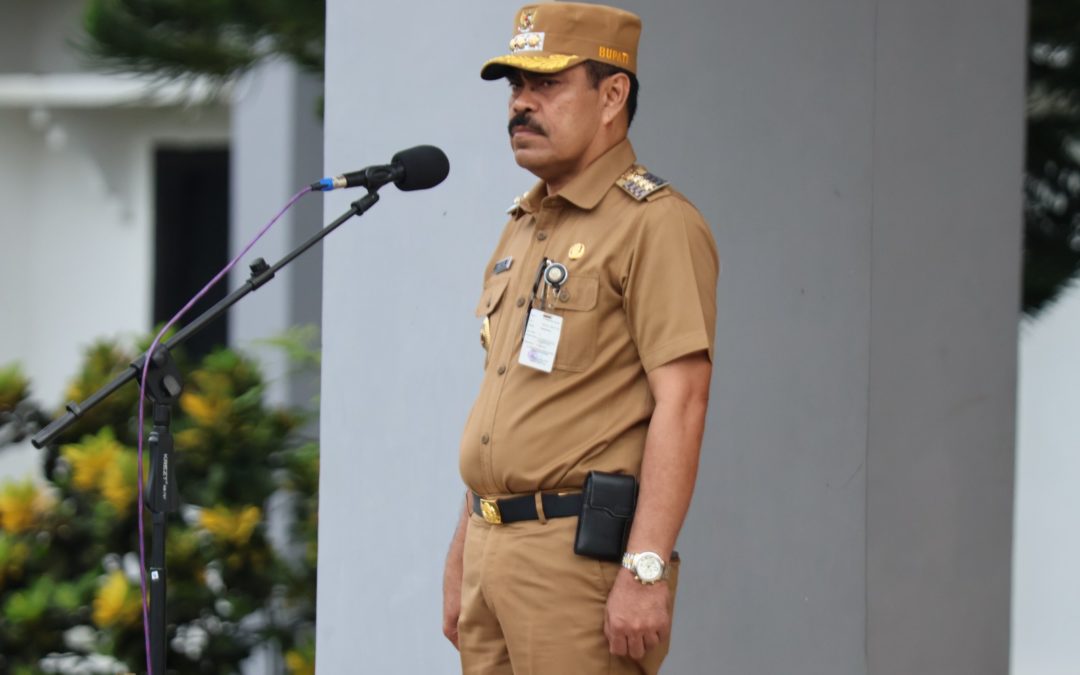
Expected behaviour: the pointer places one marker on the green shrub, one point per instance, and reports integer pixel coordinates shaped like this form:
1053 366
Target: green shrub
69 546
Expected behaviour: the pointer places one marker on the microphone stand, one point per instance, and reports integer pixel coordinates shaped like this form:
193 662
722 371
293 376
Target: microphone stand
163 385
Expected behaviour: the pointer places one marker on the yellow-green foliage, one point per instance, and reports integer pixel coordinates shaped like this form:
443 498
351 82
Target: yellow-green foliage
14 387
68 544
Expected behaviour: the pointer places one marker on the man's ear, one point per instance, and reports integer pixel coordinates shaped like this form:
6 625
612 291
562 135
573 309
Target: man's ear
614 92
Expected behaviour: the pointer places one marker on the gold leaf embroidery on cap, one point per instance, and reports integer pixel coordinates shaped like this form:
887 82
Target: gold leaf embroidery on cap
540 63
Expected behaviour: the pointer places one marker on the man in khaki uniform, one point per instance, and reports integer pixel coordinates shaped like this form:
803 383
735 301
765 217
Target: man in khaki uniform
617 270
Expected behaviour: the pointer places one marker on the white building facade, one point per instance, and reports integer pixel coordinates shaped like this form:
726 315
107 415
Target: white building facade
76 195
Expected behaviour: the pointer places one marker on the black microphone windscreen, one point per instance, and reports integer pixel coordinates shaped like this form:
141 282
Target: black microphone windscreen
424 166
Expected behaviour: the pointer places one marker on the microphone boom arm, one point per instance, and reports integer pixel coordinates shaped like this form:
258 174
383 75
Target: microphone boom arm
261 273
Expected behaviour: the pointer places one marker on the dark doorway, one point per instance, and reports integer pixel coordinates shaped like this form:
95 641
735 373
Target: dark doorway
191 215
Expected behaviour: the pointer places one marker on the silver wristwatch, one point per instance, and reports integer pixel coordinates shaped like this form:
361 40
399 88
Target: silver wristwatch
648 567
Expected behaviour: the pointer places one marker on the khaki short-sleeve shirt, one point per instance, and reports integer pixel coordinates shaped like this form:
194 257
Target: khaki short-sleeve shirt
641 292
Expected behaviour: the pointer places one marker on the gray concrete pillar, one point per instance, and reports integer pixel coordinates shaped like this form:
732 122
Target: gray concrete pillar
860 164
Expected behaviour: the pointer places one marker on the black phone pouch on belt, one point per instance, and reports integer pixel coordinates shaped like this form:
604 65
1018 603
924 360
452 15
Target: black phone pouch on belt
607 510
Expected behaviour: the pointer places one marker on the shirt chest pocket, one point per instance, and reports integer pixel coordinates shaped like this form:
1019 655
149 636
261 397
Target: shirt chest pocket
490 309
576 304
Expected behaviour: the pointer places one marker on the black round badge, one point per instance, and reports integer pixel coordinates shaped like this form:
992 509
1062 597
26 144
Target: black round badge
555 275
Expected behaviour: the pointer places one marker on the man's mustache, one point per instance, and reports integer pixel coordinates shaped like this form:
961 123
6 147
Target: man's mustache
523 120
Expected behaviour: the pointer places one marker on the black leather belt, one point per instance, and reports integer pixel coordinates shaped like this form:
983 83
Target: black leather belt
514 509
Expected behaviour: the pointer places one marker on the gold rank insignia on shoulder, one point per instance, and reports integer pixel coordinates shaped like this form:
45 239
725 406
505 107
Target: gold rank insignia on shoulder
517 204
639 183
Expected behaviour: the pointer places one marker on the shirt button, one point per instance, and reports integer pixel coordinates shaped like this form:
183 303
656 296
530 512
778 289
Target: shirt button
502 369
521 302
564 296
484 439
541 236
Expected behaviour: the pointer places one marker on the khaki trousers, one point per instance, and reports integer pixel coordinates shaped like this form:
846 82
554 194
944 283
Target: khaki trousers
530 606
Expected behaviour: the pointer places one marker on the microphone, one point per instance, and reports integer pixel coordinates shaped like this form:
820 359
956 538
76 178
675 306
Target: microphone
419 168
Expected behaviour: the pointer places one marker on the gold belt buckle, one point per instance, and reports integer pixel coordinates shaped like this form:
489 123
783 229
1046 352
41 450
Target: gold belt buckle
490 510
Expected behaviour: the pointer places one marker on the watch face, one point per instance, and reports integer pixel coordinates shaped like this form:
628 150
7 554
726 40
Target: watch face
649 567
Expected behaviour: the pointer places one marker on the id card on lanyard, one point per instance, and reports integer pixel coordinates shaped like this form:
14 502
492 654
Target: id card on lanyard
541 340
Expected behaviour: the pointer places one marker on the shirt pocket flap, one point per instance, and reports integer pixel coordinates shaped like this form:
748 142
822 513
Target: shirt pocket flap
579 294
494 288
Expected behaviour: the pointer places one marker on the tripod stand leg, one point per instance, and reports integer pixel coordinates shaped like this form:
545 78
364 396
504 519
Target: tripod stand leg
157 595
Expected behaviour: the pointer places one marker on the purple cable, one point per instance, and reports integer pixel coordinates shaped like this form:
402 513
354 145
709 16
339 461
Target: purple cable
142 397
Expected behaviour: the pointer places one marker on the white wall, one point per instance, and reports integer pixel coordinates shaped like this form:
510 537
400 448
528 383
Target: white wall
78 220
1045 589
14 183
276 150
15 301
35 37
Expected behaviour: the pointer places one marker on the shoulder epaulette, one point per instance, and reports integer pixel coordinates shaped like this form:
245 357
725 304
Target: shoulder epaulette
517 203
639 183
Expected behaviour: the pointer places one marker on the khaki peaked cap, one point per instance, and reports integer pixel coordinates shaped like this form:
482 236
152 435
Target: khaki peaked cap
551 37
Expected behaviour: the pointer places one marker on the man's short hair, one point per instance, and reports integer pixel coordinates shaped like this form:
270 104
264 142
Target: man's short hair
598 71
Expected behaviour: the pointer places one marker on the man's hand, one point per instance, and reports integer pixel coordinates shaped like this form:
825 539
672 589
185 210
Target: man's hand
452 582
638 616
450 612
